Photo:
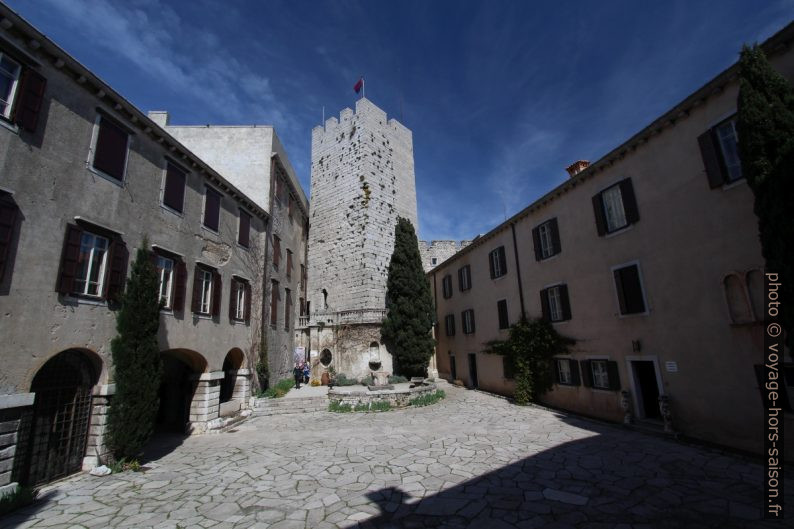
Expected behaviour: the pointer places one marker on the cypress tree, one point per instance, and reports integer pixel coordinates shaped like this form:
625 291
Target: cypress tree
406 328
765 127
136 360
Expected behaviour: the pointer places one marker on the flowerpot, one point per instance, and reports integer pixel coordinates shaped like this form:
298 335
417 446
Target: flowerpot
325 379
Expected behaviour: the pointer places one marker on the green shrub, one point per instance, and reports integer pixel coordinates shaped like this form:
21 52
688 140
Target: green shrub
428 398
361 406
280 389
367 381
397 379
342 380
339 407
20 497
122 465
380 405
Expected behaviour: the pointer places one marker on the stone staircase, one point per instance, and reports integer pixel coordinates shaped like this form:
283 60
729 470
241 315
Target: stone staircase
288 406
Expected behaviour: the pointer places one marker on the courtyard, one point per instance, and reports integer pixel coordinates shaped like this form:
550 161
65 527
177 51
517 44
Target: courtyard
473 460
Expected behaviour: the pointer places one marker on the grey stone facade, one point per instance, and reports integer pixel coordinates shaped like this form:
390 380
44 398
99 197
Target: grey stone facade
436 252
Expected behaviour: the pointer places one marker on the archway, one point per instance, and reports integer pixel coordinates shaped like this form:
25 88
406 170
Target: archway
178 388
61 416
326 357
231 364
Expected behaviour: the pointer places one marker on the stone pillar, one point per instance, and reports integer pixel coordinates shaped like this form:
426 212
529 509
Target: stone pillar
96 452
242 387
11 409
432 370
206 401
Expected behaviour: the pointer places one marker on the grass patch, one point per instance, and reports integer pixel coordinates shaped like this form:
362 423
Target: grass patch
338 407
20 497
380 405
427 399
280 389
122 465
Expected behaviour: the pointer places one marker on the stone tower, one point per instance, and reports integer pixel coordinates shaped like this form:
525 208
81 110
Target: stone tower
362 179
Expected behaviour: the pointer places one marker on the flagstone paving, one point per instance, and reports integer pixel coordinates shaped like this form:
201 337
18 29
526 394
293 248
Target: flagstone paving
471 461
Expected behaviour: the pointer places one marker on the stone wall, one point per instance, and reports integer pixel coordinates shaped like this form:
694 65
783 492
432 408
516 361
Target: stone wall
398 398
436 252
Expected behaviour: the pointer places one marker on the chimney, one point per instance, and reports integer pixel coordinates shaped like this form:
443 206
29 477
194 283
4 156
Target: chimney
159 116
577 167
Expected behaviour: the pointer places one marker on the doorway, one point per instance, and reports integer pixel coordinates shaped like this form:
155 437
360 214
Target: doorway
452 371
473 382
646 389
176 395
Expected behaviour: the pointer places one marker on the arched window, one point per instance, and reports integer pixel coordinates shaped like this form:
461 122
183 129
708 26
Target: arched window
326 357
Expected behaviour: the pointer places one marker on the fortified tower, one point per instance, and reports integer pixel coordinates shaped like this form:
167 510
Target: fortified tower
362 179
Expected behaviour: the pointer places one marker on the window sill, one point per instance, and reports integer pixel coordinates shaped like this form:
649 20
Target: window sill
202 316
558 322
735 183
500 277
619 231
169 209
210 230
551 257
238 322
564 385
5 123
246 248
85 300
105 176
634 315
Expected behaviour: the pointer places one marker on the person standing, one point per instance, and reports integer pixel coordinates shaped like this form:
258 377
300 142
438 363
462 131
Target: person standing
306 372
297 372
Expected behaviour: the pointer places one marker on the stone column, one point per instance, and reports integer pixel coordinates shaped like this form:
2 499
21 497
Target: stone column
242 387
97 452
432 370
11 409
206 401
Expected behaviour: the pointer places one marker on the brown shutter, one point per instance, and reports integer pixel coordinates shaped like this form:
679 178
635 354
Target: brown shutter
629 201
212 209
289 264
587 373
709 151
598 209
243 237
619 286
536 243
544 304
8 221
217 288
555 236
119 257
31 95
287 308
178 304
273 302
566 305
174 192
614 375
69 259
233 286
502 260
276 251
247 287
490 263
575 379
110 152
195 301
472 320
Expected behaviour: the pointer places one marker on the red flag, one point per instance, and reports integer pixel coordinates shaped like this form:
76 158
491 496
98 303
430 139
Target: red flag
357 87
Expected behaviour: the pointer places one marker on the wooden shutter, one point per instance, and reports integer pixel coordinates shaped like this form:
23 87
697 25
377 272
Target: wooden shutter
536 243
31 95
212 209
709 151
178 305
8 221
247 309
119 257
195 302
587 373
460 279
289 264
502 260
575 378
243 237
629 201
621 293
110 152
276 251
544 304
287 307
598 209
614 375
233 286
566 305
490 263
69 259
555 236
174 192
217 288
273 302
504 318
472 320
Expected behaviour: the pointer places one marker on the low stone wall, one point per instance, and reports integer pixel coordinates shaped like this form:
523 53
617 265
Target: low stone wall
397 397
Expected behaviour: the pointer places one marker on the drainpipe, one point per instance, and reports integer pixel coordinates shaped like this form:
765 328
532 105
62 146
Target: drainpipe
518 273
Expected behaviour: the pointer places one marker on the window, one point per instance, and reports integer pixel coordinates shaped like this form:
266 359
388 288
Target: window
546 240
433 261
274 295
212 208
290 206
467 318
628 284
449 324
240 300
93 263
9 80
206 291
615 207
172 275
566 371
719 149
21 93
303 278
554 303
244 229
278 189
110 149
165 271
601 374
174 188
289 265
498 262
452 371
302 306
464 278
446 286
276 251
504 320
287 307
9 214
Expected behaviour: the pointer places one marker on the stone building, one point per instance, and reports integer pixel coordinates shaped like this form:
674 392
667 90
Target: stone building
435 252
649 258
253 159
362 179
86 178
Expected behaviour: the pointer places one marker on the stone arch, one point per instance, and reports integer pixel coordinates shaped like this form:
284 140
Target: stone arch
181 368
374 356
326 357
57 436
232 364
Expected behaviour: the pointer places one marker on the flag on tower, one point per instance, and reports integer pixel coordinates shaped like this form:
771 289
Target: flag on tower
359 85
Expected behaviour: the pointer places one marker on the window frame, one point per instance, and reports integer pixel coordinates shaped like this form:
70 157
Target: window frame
560 379
464 278
103 267
92 151
605 374
611 191
712 152
275 294
8 114
497 260
276 251
467 321
169 297
207 288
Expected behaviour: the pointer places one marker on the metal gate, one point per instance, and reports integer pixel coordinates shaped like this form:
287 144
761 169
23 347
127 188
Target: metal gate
61 417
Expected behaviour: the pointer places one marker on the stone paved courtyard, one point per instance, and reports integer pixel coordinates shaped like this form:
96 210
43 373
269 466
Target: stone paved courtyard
473 460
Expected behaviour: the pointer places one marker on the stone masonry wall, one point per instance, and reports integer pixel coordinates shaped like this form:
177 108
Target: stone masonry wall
439 250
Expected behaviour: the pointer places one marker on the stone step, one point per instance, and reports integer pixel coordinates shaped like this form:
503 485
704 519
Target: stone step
268 412
275 403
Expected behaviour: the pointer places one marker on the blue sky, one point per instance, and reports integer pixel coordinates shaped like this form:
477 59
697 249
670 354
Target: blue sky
501 95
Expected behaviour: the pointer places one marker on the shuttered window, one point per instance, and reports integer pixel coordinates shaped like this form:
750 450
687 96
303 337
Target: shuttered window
289 265
274 295
497 262
240 300
9 83
212 208
9 213
467 319
446 286
172 274
207 289
567 372
449 324
546 240
601 374
174 188
464 278
93 263
631 297
165 272
719 148
504 319
244 229
110 151
555 305
615 207
287 307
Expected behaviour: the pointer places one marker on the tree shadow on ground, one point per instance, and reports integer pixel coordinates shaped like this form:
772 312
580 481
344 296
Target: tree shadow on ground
23 514
162 444
612 479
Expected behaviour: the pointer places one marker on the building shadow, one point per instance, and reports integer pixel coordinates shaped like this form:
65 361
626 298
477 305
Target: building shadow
23 514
